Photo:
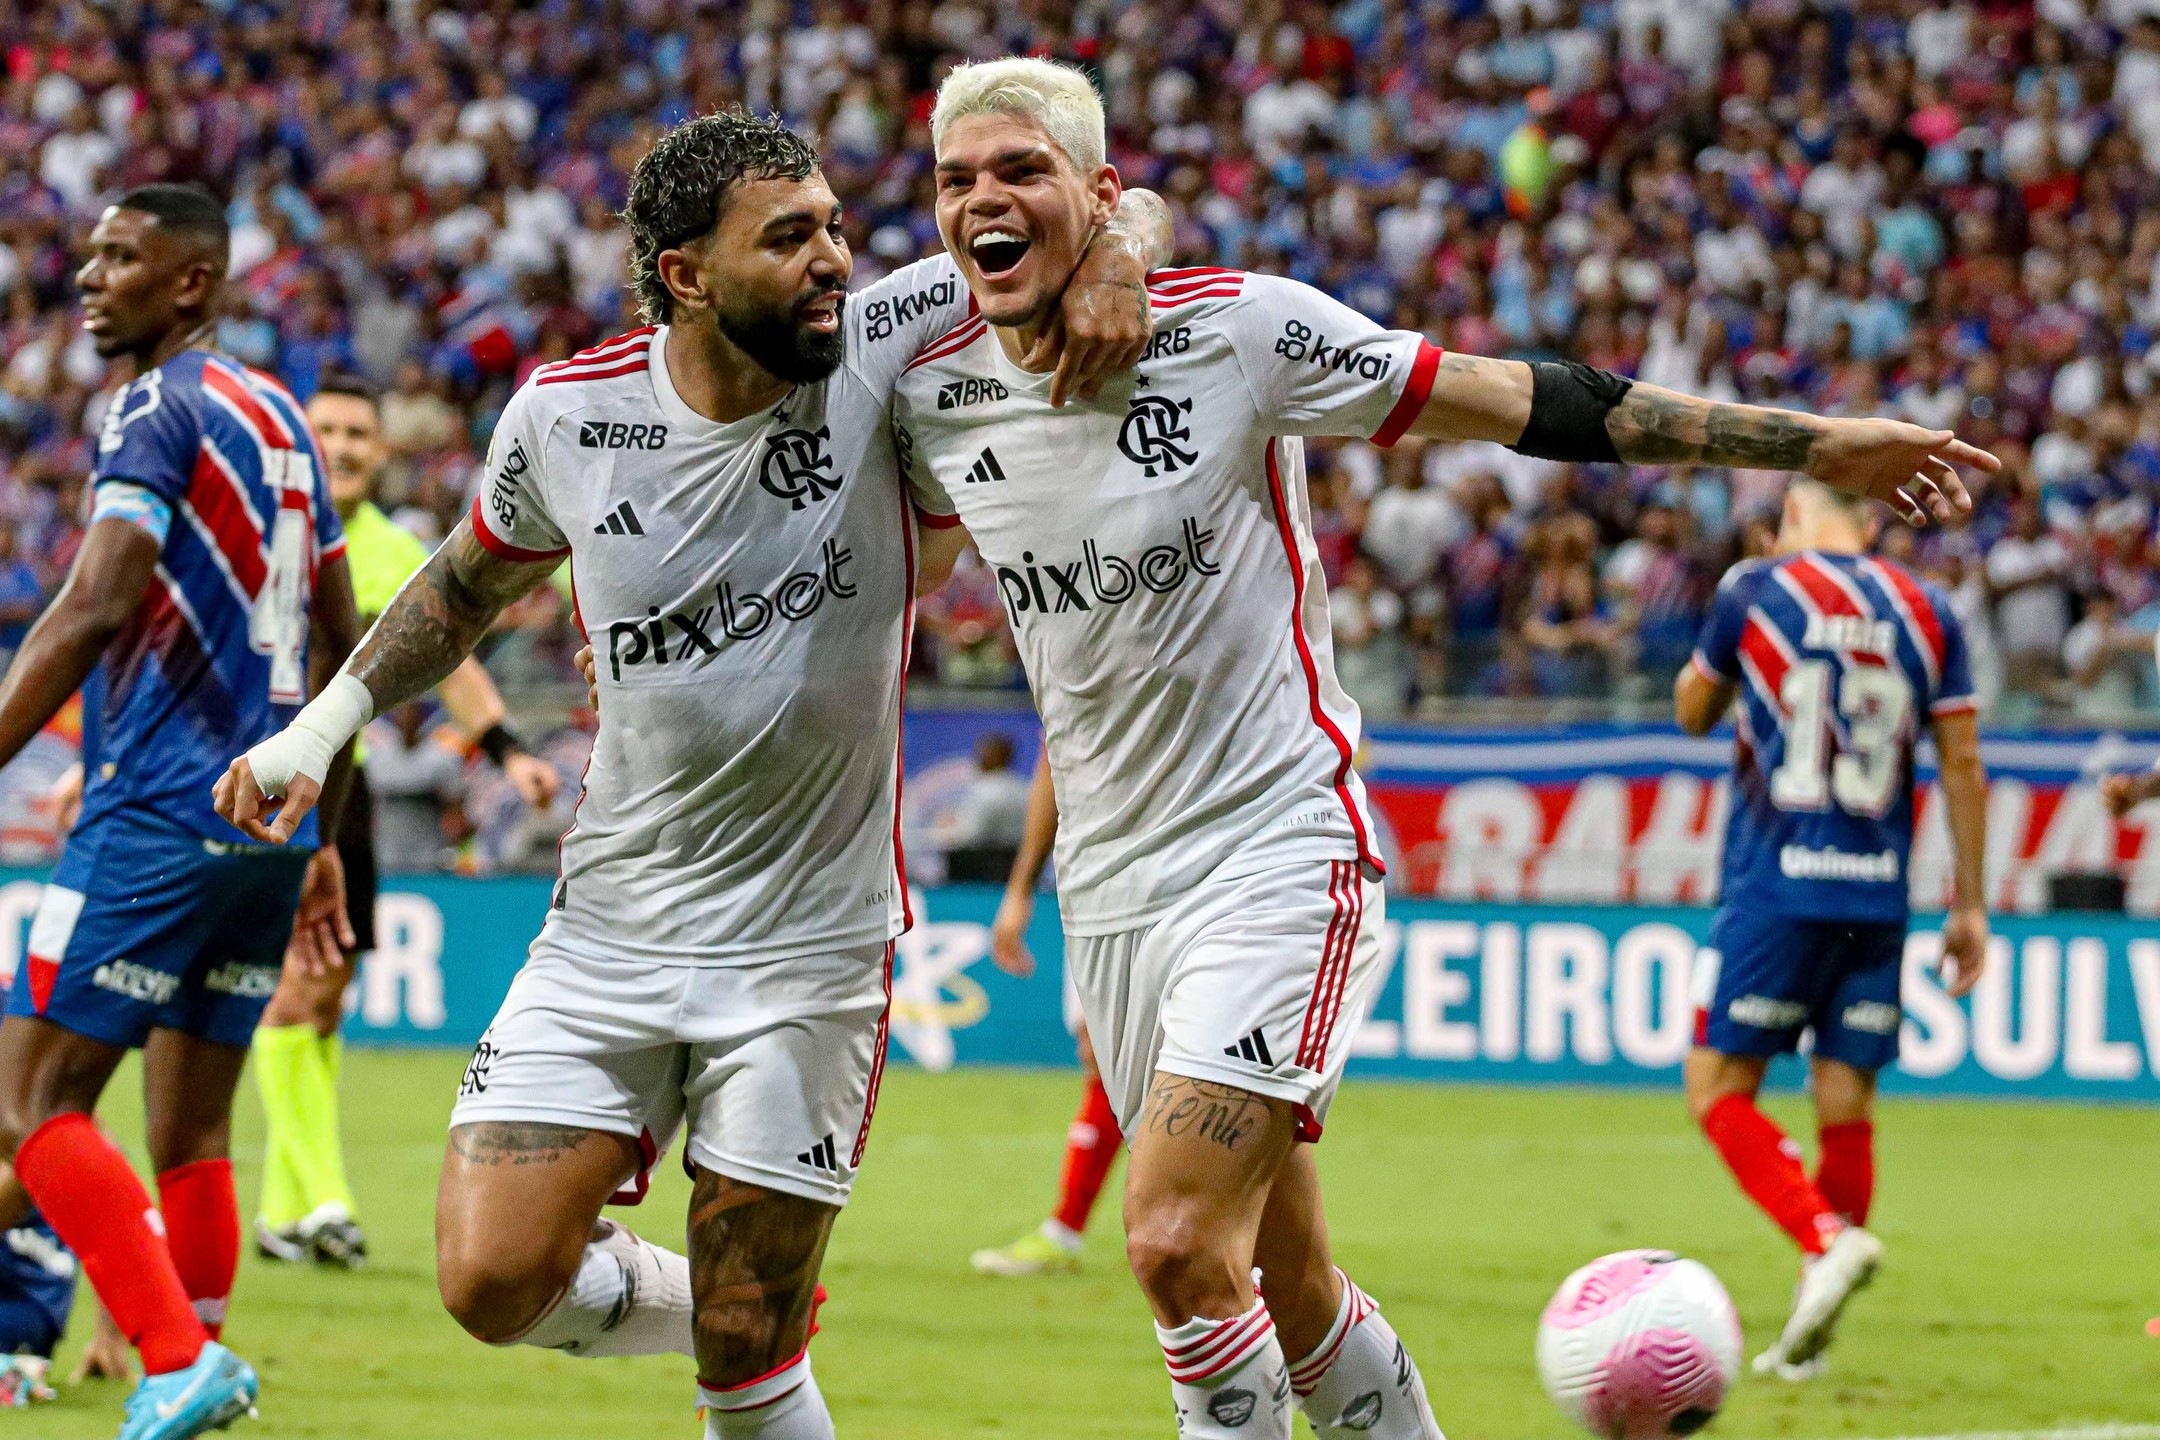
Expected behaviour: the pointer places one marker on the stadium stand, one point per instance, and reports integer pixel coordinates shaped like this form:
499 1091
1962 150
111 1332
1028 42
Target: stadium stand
1938 210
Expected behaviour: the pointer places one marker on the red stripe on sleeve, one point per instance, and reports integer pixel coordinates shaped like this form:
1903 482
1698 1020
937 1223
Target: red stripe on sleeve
1414 395
502 549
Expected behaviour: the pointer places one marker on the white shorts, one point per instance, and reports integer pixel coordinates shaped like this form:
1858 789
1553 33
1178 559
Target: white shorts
1253 981
774 1066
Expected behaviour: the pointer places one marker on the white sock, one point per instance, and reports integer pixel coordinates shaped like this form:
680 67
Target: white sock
1359 1383
785 1405
629 1297
1227 1377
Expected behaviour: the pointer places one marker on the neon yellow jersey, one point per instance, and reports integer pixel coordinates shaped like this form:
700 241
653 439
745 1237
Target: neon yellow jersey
382 556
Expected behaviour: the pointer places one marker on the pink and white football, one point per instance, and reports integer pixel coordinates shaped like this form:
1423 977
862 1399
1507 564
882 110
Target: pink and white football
1639 1345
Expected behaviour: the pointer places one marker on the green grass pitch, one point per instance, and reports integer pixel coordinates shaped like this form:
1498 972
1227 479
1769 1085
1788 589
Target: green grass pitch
2024 1259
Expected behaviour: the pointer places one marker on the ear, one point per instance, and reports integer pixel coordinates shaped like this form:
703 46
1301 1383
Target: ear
684 277
1108 190
199 284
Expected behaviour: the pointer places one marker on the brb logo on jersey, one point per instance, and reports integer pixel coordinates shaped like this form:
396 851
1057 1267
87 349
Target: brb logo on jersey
796 467
616 435
732 616
1098 579
970 392
503 495
1151 432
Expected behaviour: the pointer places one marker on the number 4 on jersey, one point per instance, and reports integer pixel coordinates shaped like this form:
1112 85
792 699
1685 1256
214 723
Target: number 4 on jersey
278 621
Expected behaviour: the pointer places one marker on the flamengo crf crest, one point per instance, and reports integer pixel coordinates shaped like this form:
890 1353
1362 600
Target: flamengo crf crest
1152 430
796 467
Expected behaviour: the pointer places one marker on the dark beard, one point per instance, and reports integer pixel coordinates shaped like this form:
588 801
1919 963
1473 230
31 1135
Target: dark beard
785 349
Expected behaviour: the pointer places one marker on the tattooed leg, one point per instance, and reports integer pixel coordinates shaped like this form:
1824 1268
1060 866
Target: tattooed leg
1204 1157
517 1205
754 1258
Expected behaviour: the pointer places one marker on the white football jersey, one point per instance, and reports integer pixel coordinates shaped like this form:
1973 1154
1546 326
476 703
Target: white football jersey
1154 549
748 592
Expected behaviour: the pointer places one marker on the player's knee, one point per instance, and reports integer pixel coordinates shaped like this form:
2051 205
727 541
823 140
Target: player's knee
496 1292
1178 1261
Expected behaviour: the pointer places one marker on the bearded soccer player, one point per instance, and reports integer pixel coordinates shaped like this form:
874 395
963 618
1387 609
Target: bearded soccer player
307 1208
719 947
1838 658
209 597
1218 876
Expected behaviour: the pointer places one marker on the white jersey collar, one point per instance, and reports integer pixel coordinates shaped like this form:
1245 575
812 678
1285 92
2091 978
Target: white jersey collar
678 411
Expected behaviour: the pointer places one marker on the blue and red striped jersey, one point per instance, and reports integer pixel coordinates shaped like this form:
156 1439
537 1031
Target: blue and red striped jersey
1840 660
215 657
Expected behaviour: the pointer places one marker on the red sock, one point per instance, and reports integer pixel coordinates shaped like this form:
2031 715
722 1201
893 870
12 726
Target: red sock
1767 1165
202 1228
91 1198
1846 1173
1091 1147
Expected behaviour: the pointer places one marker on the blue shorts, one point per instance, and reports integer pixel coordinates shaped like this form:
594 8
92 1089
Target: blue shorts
37 1289
144 928
1774 976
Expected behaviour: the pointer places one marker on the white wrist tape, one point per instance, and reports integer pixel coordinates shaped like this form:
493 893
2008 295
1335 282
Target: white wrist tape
316 734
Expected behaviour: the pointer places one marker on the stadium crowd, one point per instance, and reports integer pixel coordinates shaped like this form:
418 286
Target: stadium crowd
1939 209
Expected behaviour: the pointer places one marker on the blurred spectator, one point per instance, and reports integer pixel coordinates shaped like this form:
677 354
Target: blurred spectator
2106 661
2028 578
418 780
21 596
1409 519
981 832
1479 573
1657 593
1371 659
1563 622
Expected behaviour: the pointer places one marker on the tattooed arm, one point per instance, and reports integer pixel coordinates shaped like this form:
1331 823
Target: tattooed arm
1911 469
1105 322
426 633
439 617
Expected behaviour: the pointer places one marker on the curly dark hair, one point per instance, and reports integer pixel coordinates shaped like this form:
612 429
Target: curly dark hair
678 188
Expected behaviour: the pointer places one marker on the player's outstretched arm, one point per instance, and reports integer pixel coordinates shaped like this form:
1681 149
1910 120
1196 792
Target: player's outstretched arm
1964 791
428 629
104 587
1008 932
1575 413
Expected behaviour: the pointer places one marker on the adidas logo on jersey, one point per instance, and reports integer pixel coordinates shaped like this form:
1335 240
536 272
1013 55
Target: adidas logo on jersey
1253 1047
970 392
617 435
985 469
821 1156
1100 579
620 521
734 615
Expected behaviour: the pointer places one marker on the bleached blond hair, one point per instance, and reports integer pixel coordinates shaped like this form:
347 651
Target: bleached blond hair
1057 97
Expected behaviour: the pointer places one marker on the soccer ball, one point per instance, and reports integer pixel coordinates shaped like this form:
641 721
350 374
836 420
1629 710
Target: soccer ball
1639 1345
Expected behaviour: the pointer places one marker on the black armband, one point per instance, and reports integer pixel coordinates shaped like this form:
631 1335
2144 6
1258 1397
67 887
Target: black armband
1568 405
498 744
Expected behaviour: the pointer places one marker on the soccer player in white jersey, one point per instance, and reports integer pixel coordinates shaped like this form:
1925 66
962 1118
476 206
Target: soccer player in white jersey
719 947
1219 880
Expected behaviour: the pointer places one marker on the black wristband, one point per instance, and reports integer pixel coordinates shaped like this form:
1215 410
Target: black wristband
498 744
1568 405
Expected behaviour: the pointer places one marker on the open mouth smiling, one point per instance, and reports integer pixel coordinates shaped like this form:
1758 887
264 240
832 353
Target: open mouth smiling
997 253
